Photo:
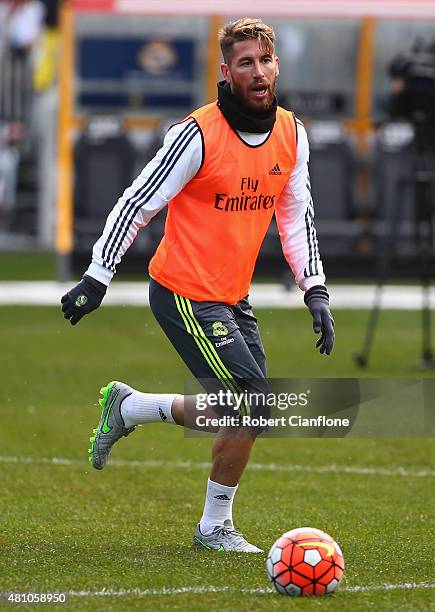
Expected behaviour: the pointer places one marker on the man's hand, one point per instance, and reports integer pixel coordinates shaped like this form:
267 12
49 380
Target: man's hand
317 300
82 299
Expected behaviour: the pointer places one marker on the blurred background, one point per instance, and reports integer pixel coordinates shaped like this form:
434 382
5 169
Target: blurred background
89 87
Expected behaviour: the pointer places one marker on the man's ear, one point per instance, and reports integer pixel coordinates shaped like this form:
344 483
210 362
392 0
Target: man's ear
226 73
277 66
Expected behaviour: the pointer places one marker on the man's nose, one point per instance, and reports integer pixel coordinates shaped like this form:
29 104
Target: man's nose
258 70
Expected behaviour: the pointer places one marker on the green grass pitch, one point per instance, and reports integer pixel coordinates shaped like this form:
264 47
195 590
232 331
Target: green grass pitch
66 527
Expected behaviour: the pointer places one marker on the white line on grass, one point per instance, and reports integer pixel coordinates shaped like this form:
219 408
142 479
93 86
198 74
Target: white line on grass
268 295
267 467
197 590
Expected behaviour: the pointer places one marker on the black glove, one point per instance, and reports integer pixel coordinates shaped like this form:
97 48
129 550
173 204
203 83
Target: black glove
317 300
82 299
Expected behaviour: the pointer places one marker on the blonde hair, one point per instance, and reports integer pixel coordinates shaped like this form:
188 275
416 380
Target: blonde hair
245 29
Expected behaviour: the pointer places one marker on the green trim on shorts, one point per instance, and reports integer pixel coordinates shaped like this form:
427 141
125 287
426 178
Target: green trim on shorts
207 349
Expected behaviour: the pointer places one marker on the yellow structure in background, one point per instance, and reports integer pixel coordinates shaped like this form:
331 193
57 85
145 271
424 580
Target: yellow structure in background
363 118
64 226
213 57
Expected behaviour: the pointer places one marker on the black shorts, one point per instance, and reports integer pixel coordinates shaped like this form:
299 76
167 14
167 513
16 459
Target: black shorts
219 343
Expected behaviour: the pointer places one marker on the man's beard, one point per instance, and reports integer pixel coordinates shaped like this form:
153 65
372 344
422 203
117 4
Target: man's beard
258 105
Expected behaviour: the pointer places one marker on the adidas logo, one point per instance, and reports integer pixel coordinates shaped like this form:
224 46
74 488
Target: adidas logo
222 497
162 414
275 170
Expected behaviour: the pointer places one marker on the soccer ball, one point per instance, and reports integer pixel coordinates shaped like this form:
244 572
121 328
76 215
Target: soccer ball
305 561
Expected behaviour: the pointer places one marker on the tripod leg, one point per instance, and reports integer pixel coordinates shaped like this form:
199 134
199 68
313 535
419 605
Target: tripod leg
361 359
427 355
384 261
424 224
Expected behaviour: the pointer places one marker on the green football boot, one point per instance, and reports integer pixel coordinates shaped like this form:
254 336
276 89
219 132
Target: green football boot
111 427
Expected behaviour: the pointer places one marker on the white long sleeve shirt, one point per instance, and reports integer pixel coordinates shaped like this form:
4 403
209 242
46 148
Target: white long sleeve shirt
174 165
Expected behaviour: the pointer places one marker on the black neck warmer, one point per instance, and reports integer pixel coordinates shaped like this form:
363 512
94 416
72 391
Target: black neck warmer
242 118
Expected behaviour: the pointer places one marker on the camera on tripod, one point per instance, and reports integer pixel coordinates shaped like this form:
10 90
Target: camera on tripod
412 99
413 91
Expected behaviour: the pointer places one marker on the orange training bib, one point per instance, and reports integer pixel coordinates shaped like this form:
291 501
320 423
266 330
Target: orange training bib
216 224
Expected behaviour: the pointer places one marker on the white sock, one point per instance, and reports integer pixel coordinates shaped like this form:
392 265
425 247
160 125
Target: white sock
218 506
139 408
